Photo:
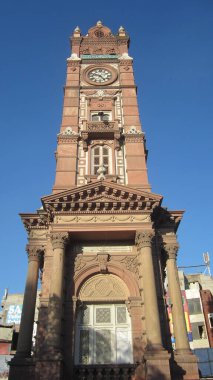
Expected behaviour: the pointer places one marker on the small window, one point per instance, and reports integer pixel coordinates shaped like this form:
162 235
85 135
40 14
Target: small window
101 116
198 330
194 306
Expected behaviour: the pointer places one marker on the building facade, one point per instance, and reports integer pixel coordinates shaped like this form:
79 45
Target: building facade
102 240
198 288
10 318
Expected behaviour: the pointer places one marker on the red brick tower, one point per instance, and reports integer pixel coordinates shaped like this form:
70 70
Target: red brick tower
102 240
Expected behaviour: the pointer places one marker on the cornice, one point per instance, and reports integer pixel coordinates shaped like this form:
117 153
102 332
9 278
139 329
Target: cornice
167 219
101 197
37 221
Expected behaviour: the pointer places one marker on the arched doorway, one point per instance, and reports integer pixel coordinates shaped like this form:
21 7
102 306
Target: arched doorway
103 326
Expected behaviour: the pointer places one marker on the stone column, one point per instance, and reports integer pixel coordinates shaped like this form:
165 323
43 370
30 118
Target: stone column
53 340
179 323
28 311
146 270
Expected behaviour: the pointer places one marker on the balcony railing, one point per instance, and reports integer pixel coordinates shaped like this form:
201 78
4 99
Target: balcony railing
101 126
104 372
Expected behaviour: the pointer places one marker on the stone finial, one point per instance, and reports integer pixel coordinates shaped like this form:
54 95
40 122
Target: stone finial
77 30
121 31
99 23
101 171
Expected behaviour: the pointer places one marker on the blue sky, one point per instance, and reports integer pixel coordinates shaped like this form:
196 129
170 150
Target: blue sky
171 42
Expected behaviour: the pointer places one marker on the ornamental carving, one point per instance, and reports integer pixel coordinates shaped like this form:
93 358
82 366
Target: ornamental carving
103 287
102 219
101 126
68 132
37 234
134 135
134 138
103 259
68 136
59 239
134 131
171 250
100 93
79 263
144 239
131 263
34 252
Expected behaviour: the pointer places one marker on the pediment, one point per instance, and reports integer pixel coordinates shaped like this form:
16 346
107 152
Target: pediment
101 196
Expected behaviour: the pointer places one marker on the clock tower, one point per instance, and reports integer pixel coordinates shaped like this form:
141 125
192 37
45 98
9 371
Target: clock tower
102 243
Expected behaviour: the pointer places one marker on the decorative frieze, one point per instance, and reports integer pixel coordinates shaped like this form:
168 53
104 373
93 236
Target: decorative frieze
64 219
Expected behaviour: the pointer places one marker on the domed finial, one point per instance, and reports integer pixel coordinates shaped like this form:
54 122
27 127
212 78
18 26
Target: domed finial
99 23
77 29
121 31
77 32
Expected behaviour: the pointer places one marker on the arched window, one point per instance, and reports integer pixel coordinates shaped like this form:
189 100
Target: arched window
101 116
101 156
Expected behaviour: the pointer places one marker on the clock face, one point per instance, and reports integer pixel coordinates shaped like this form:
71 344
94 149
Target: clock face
99 75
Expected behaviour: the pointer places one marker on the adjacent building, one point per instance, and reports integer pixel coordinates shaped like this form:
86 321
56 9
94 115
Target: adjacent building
10 318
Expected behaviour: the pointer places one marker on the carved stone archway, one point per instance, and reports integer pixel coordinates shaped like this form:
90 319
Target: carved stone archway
103 287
